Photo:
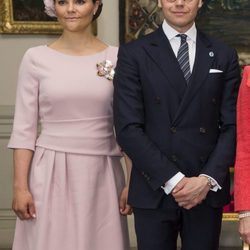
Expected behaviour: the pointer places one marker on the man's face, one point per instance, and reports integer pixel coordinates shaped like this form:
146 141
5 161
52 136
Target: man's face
180 14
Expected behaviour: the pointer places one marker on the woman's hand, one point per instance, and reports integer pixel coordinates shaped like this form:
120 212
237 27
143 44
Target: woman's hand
244 229
125 208
23 205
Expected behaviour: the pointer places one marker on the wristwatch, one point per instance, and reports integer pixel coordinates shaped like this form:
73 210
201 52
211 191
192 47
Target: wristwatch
244 214
211 183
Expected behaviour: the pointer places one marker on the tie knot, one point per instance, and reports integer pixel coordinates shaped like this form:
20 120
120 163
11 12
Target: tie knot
183 37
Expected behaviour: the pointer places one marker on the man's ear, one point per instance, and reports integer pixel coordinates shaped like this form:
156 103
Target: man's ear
159 4
200 3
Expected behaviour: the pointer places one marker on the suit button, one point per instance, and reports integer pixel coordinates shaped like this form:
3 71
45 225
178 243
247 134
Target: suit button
173 130
157 99
214 101
203 131
174 158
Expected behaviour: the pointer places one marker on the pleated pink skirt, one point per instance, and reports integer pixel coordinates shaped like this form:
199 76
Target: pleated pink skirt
76 199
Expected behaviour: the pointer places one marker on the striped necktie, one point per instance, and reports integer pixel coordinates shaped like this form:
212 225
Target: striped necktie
183 57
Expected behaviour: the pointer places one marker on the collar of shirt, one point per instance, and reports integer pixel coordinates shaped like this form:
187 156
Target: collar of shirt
171 33
175 41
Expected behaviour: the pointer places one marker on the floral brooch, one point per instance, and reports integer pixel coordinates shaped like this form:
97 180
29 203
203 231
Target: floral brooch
106 69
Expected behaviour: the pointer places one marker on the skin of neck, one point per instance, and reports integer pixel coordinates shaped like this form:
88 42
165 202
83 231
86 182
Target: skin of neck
181 29
76 39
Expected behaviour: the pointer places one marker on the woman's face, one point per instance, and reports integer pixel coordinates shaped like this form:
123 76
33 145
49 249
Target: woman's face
75 15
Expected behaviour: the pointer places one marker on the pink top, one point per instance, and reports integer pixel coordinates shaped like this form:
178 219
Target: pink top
242 165
72 103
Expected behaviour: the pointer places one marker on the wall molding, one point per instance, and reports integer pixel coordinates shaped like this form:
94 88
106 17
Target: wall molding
6 120
7 214
7 225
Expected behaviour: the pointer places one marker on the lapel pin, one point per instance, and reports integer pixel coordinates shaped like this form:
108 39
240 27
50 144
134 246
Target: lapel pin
211 54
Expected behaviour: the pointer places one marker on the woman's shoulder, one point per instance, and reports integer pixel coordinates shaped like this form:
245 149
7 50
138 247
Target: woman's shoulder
36 49
113 48
111 53
34 52
31 55
246 69
246 76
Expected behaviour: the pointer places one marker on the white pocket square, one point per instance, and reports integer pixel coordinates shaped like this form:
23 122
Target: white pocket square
215 71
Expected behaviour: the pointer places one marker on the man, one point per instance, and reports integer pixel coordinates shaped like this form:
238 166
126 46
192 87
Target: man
174 109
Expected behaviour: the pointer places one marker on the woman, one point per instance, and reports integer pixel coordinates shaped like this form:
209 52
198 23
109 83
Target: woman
67 182
242 165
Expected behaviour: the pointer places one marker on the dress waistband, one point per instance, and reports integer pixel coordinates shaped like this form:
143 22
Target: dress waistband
93 136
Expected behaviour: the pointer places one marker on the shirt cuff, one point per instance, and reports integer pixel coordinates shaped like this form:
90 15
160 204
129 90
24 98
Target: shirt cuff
214 183
171 183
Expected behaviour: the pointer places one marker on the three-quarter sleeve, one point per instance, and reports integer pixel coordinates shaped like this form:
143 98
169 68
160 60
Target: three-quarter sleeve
24 131
242 164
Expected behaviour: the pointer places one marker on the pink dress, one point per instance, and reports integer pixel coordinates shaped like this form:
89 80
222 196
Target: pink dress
76 176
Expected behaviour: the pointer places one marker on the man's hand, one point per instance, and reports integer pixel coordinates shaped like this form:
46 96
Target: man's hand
244 229
190 192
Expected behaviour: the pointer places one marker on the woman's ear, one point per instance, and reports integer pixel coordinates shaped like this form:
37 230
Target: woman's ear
97 4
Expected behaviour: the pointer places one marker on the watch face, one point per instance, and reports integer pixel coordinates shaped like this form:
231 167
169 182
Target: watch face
212 183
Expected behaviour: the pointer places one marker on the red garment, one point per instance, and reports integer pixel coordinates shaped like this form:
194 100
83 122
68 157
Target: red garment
242 164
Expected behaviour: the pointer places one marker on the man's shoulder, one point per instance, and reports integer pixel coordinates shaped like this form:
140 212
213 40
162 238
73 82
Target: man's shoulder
215 42
138 43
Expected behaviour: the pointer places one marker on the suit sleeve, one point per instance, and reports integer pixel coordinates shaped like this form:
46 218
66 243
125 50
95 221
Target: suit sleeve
24 132
242 164
223 155
129 118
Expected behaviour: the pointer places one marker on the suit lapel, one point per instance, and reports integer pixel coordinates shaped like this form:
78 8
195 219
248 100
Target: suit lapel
160 51
203 61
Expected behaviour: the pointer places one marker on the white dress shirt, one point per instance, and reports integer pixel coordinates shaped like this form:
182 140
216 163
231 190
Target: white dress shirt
175 43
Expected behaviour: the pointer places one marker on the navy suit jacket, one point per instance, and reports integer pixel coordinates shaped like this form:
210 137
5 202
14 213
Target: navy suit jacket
166 126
